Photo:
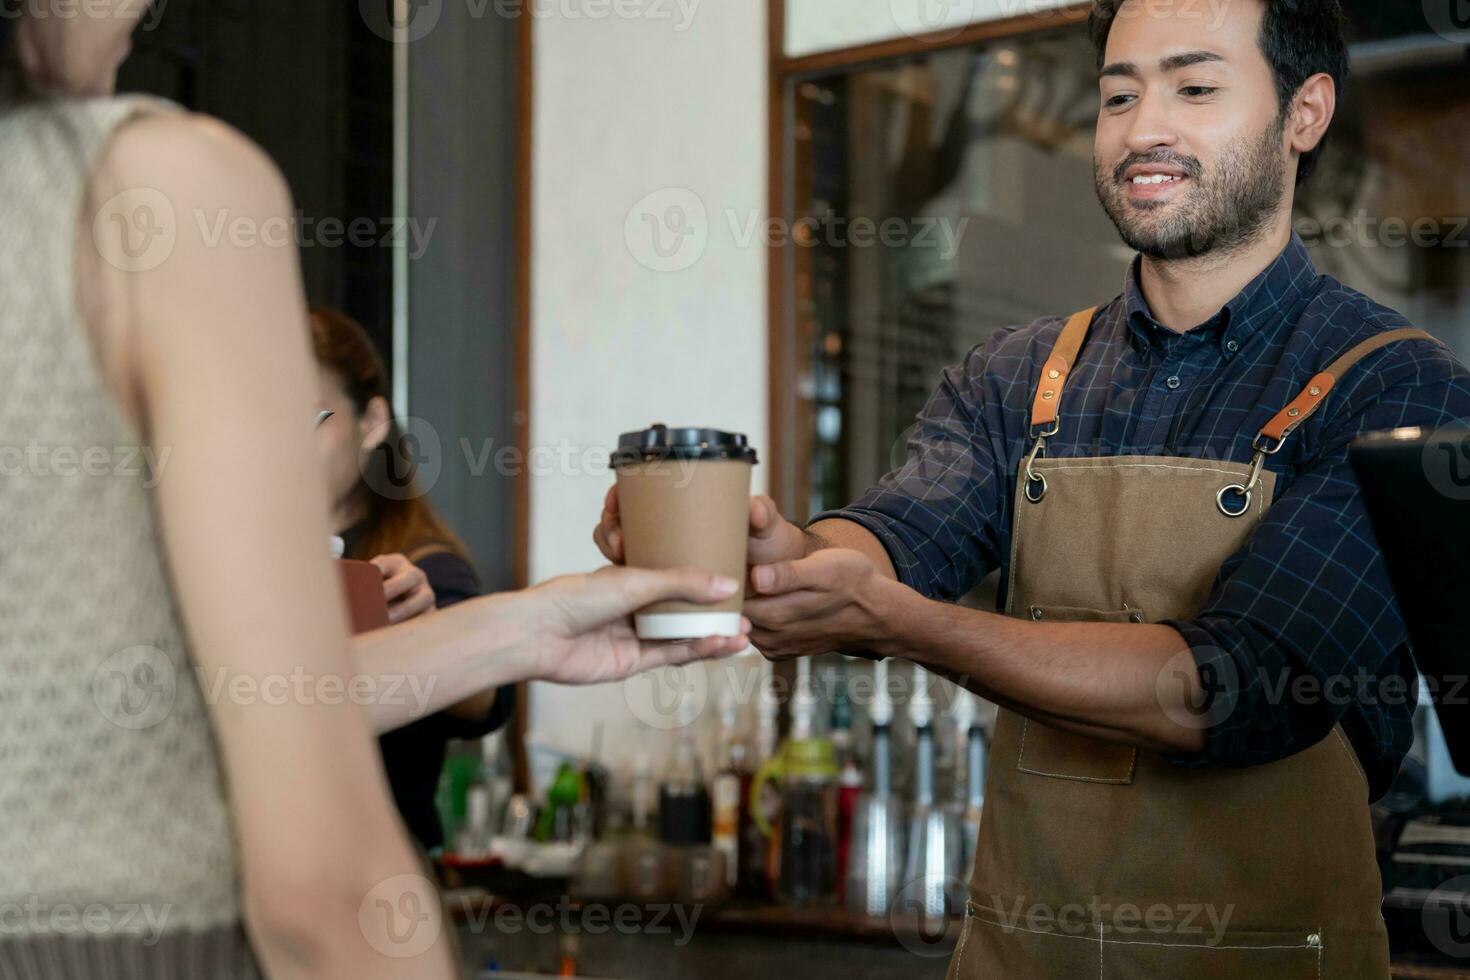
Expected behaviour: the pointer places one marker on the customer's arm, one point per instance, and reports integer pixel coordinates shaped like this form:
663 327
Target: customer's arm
218 352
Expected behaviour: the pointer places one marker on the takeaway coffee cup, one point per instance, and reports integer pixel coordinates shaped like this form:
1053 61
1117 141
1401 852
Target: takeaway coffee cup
684 499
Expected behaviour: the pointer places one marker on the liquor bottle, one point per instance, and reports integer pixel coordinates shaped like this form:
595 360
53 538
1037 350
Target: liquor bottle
759 857
876 847
970 791
805 834
850 774
934 846
683 797
731 788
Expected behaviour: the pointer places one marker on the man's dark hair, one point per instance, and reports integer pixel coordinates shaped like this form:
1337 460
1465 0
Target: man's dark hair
1299 39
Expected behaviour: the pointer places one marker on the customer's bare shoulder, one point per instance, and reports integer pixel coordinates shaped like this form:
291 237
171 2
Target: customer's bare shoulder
188 156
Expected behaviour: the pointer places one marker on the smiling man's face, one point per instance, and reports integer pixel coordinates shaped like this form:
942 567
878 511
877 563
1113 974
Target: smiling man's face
1191 155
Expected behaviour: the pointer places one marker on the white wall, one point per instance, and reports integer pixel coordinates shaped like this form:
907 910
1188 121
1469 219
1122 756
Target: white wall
621 335
824 25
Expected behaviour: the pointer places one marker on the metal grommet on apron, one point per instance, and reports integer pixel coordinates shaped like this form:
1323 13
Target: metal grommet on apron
1079 825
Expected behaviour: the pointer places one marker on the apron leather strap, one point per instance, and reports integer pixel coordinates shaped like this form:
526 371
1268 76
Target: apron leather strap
1054 372
1312 397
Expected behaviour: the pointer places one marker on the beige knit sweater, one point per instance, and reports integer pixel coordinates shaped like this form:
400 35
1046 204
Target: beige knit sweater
116 849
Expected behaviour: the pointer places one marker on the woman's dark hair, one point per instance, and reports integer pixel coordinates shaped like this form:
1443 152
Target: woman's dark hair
12 81
1299 39
404 521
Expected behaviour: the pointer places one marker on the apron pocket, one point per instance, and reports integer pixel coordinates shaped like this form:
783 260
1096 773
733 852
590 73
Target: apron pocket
1048 751
1225 956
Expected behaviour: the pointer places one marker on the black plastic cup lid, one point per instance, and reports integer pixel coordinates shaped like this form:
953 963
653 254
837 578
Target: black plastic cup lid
661 442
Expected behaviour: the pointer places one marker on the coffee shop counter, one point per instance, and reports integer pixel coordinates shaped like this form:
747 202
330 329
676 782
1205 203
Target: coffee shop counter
659 942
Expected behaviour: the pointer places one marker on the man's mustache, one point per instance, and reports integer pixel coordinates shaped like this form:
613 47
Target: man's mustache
1190 165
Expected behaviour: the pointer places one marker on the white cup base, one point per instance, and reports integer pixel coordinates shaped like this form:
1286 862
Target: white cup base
686 626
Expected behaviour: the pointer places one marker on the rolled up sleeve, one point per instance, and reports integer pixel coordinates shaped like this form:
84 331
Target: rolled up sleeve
942 514
1302 624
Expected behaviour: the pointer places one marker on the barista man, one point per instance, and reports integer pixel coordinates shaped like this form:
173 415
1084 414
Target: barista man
1202 672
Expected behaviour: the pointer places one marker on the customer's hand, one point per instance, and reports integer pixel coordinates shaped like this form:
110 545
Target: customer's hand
581 626
772 537
405 586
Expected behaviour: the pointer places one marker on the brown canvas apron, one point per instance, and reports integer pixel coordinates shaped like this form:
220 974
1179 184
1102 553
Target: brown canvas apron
1097 859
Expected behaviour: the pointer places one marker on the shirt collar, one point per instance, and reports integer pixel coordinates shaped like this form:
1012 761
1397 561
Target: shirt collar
1266 300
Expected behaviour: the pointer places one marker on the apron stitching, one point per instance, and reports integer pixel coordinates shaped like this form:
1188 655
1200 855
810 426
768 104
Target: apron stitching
959 954
1021 758
1260 504
1141 942
1352 756
1136 942
1116 780
1063 464
1099 951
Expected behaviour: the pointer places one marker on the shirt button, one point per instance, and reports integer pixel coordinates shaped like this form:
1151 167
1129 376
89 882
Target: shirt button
1232 345
1173 382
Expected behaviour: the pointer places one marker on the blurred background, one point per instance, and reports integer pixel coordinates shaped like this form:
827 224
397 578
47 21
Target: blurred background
777 217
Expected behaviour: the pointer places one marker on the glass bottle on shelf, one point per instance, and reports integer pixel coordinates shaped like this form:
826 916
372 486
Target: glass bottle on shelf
730 790
875 859
850 774
806 833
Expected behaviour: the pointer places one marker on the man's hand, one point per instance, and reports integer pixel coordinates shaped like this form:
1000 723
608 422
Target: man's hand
405 586
834 599
772 537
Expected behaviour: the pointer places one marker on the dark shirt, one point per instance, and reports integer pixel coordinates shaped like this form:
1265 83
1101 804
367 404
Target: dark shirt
414 755
1308 597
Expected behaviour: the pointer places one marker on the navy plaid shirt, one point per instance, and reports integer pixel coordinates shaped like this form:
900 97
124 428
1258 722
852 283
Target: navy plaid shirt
1308 599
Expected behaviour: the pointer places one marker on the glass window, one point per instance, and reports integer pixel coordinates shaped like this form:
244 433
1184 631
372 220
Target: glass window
951 193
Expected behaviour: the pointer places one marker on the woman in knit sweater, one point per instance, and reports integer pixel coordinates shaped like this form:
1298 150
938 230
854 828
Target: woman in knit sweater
167 813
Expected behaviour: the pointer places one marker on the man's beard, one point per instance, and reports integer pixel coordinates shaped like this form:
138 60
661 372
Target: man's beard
1224 212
